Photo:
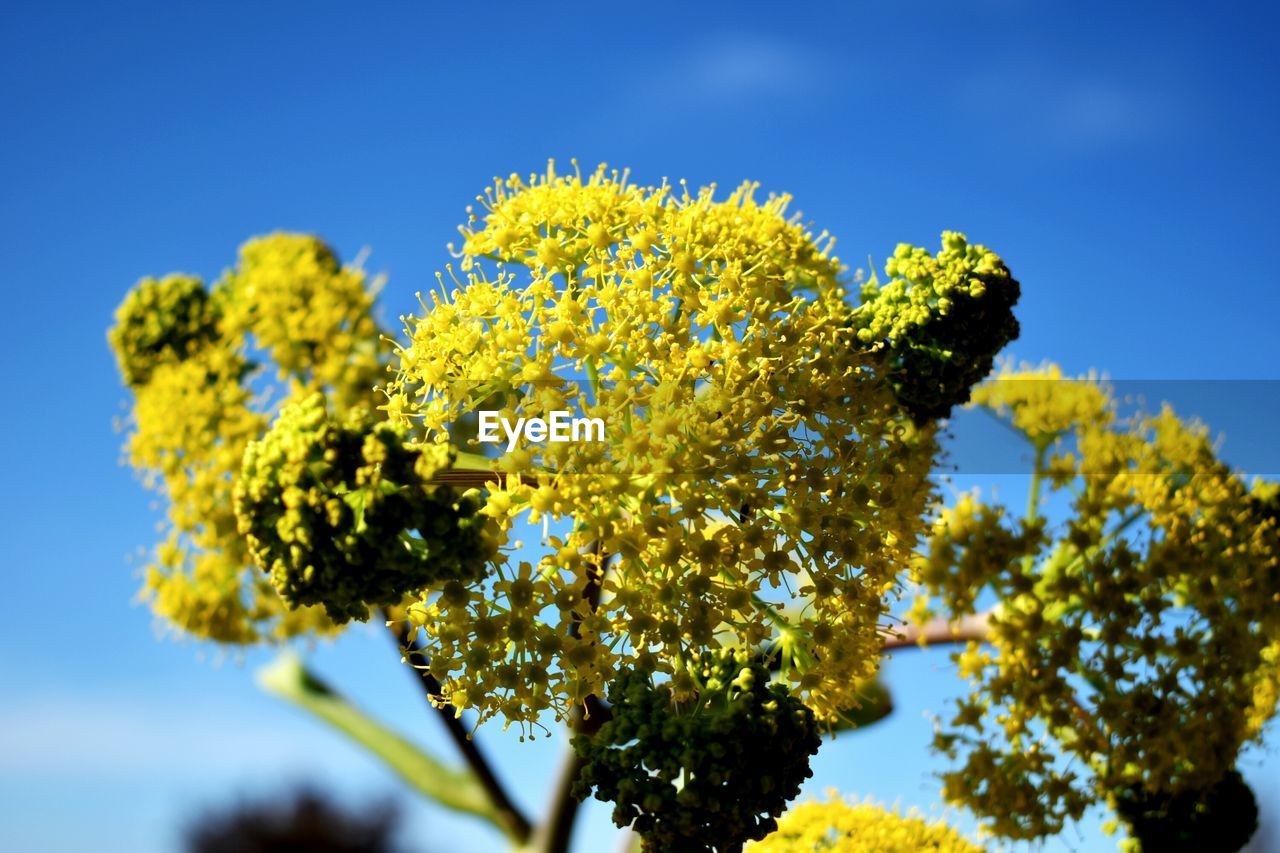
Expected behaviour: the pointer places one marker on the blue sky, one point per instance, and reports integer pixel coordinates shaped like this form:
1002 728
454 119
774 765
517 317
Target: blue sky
1120 157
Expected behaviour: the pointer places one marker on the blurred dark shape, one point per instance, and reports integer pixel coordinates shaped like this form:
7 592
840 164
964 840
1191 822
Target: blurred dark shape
302 821
1220 819
1267 838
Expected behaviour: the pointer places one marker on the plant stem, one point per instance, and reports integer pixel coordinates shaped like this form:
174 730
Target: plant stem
1037 478
467 478
940 631
516 824
554 835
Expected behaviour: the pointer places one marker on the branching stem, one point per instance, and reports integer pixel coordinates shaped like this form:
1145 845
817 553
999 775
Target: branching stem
974 627
554 835
516 824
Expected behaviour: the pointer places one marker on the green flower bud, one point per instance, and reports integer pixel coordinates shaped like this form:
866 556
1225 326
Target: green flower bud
939 321
343 514
704 776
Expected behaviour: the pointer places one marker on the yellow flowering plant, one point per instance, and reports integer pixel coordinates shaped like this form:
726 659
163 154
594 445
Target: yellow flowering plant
705 586
198 361
752 449
1131 648
841 826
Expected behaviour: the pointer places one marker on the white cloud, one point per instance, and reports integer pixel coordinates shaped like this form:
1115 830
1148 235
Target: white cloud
745 67
1100 113
1073 111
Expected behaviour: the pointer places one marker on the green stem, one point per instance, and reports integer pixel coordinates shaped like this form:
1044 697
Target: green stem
1037 478
1033 495
554 835
512 819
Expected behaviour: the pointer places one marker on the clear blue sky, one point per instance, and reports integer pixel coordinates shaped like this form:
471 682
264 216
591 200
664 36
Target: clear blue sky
1121 157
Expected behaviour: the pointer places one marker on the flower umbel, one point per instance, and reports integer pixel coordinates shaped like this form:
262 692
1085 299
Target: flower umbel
760 482
939 321
1222 817
1133 644
192 357
161 321
840 826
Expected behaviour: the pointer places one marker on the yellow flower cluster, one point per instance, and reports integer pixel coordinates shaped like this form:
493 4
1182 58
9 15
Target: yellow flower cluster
1042 404
1134 642
758 486
191 422
187 352
1266 690
921 286
313 316
161 321
841 826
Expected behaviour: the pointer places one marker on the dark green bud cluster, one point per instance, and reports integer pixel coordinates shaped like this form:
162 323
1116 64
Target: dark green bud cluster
940 320
707 775
343 514
161 320
1219 819
1264 503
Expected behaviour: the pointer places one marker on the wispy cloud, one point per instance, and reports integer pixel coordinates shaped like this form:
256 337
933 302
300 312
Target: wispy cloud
1074 112
744 67
1102 113
717 84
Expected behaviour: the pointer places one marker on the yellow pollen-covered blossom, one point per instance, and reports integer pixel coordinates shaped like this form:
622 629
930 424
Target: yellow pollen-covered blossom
191 356
759 484
1042 404
1134 641
840 826
312 315
1266 691
161 320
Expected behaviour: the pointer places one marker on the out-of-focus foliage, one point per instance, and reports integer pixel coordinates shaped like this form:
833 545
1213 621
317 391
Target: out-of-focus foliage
305 821
708 776
756 454
195 359
344 514
840 826
1132 648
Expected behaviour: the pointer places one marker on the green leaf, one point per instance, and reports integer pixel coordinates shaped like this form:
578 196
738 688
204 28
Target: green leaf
356 501
451 787
875 703
466 461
